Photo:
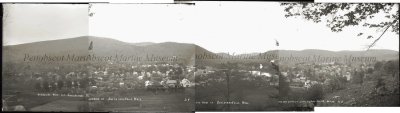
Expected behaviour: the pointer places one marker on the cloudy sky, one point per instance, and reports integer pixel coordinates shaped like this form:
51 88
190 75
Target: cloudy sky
240 27
25 23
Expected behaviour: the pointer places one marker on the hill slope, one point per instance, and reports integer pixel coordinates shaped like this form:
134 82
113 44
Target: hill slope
110 47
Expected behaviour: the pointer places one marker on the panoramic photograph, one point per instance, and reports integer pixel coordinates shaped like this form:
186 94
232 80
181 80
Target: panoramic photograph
199 56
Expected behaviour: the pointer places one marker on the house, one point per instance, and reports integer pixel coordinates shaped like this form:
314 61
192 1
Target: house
274 83
307 84
285 74
186 83
266 74
348 76
148 83
140 77
255 73
172 83
121 84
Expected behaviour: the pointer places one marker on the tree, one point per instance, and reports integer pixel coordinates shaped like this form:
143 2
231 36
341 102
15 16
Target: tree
163 69
315 93
340 15
378 65
358 77
391 67
284 87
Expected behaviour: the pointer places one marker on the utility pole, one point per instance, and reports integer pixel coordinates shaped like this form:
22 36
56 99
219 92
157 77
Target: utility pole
227 80
87 93
227 84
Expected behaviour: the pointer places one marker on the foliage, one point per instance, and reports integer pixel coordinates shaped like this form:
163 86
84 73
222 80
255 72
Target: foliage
358 76
391 67
380 83
345 14
336 83
284 87
315 92
340 15
242 87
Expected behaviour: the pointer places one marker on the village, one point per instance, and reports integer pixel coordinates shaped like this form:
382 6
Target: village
121 80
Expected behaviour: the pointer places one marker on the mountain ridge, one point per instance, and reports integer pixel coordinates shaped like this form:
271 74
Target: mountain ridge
107 46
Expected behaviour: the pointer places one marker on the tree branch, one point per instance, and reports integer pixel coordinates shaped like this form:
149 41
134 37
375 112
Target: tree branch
376 40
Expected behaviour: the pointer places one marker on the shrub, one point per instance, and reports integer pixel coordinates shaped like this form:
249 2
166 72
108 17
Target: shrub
315 92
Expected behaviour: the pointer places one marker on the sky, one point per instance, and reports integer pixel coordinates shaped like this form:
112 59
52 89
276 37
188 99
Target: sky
240 27
26 23
234 27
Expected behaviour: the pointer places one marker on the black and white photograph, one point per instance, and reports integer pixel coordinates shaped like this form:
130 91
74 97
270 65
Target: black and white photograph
199 56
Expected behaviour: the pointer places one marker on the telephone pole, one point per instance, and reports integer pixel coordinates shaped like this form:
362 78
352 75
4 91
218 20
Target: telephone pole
227 85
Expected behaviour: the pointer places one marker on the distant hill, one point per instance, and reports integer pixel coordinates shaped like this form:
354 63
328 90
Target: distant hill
143 43
79 46
186 52
16 53
379 53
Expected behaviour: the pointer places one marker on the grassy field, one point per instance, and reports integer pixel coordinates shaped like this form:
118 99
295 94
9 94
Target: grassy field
150 101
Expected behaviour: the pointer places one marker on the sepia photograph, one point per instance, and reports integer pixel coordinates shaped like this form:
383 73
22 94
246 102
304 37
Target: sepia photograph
199 56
